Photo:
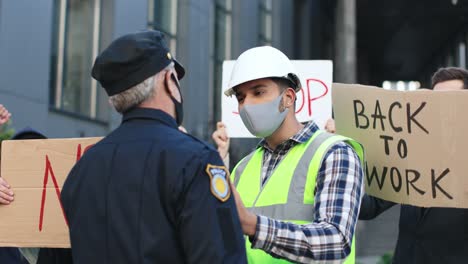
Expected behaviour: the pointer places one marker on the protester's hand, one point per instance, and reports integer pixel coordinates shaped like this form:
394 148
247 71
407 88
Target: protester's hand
6 194
221 139
247 219
4 115
330 126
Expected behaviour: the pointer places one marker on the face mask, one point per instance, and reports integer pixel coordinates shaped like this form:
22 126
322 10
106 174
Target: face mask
179 110
263 119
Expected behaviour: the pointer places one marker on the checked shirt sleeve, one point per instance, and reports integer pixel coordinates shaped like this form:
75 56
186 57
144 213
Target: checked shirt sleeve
328 238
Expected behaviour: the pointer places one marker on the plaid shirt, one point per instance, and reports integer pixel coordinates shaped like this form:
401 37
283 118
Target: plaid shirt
338 195
271 158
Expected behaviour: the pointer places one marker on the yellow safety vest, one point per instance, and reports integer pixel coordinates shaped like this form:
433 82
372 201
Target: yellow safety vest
288 193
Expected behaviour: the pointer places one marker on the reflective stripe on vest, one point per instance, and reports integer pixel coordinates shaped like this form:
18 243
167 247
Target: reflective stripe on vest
287 194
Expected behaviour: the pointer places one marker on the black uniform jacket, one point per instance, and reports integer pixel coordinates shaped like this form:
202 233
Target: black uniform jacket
426 235
144 194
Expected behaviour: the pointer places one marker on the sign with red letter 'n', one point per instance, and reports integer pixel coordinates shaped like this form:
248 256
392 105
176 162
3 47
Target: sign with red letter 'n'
36 171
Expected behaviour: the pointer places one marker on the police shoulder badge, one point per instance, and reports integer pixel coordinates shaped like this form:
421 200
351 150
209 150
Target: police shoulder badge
219 184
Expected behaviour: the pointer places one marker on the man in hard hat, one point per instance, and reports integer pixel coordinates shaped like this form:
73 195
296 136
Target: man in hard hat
302 187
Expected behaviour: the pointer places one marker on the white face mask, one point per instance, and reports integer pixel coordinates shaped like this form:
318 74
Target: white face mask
263 119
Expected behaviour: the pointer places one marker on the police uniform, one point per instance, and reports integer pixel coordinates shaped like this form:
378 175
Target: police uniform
148 193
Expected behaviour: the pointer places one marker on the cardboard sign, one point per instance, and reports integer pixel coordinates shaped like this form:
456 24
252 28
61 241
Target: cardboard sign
36 170
415 142
313 101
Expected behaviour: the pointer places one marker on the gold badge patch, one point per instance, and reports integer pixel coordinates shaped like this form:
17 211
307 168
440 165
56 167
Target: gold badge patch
169 55
219 184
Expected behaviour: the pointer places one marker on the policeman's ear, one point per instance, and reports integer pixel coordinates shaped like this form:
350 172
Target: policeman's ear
171 85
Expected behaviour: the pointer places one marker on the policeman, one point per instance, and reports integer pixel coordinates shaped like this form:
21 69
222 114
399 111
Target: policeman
149 193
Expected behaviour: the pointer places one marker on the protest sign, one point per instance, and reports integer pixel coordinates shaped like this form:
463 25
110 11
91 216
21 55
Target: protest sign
313 101
36 170
415 142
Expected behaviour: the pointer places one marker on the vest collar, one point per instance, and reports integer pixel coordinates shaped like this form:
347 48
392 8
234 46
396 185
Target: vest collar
302 136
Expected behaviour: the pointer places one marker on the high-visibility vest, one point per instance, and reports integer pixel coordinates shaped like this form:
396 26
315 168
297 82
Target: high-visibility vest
288 193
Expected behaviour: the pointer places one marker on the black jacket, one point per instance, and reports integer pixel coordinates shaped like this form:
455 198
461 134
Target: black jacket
11 255
426 235
54 256
143 194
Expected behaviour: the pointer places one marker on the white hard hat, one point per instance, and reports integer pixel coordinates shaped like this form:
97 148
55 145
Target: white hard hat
262 62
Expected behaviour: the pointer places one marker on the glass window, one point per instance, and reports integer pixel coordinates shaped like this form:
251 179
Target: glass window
75 46
162 16
265 17
222 46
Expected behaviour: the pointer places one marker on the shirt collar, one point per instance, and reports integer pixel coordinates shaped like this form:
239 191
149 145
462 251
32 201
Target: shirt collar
149 113
301 136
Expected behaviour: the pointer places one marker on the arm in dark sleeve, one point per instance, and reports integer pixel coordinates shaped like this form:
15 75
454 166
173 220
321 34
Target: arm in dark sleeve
208 227
371 207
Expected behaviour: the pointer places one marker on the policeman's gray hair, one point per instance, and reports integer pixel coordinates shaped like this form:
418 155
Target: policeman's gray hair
139 93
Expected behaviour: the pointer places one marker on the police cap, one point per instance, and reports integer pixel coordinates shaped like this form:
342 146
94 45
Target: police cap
131 59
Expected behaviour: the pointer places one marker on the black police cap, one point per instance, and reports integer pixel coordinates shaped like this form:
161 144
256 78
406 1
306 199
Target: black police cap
131 59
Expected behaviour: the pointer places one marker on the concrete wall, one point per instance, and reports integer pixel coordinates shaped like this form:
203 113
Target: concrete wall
194 51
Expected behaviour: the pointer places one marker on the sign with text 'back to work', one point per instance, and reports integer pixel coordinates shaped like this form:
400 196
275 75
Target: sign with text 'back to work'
415 142
36 171
313 100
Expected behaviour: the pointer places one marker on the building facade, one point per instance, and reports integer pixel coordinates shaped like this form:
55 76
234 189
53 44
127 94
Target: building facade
47 49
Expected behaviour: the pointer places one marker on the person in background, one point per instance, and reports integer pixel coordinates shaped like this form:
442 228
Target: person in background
432 234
